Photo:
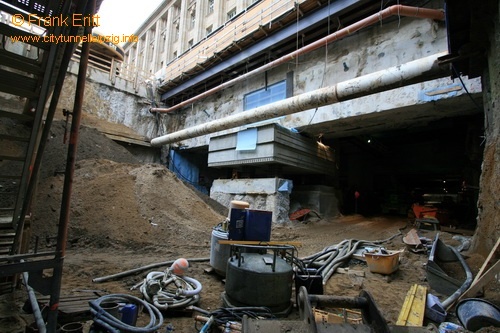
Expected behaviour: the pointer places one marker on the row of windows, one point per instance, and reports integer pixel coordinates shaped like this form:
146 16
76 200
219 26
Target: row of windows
175 32
208 30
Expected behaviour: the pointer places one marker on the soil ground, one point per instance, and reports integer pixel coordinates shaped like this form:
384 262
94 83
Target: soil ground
126 215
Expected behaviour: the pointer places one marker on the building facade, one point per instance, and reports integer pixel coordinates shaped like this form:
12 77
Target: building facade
175 27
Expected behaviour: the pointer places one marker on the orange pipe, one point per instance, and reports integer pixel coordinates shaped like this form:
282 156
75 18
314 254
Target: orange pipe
400 10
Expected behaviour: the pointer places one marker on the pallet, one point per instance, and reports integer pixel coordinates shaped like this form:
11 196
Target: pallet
71 307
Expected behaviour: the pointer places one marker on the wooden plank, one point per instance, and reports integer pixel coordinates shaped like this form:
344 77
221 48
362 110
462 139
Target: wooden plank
490 255
14 138
18 116
413 310
10 177
72 305
5 219
122 130
17 84
128 140
16 61
12 158
270 243
482 281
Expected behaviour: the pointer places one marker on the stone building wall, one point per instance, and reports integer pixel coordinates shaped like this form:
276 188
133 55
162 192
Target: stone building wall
120 102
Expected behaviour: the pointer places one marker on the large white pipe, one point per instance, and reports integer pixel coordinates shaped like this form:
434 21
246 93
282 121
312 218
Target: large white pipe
402 75
399 10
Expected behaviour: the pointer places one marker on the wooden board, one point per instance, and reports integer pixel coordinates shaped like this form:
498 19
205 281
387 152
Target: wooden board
128 140
413 310
482 279
71 305
270 243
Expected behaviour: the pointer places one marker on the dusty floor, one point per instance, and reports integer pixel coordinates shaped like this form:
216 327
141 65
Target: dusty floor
125 215
86 261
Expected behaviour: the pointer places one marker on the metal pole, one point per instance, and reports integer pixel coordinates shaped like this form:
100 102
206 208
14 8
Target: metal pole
68 179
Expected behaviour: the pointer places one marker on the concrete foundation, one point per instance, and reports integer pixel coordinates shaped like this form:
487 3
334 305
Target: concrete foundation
319 198
271 194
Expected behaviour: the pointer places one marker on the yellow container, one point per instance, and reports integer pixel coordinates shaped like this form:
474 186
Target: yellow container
382 263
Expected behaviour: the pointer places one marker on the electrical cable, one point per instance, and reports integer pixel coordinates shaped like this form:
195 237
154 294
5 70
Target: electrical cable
459 76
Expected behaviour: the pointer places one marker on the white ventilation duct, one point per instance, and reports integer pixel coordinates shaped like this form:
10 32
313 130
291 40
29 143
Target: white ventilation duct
420 70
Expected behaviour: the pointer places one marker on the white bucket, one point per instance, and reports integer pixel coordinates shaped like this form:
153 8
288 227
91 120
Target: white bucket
219 253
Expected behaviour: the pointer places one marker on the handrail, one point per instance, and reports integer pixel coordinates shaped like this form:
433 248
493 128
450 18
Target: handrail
114 67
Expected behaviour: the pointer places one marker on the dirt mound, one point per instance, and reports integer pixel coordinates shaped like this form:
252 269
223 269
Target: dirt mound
91 145
116 201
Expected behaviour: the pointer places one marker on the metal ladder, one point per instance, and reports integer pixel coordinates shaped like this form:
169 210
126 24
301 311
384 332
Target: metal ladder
31 78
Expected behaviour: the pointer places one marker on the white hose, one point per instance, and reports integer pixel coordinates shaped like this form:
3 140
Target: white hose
157 290
193 292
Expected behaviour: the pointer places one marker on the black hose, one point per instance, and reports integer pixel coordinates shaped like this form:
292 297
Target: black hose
224 315
336 255
468 280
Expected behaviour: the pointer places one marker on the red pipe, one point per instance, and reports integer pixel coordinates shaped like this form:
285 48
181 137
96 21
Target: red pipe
400 10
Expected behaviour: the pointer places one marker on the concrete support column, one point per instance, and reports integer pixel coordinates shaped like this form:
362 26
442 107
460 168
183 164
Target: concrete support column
138 58
183 23
220 12
199 25
169 30
145 53
155 66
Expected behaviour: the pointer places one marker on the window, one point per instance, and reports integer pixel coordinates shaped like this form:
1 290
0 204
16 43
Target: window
174 55
231 14
210 6
190 44
163 37
209 30
176 31
193 18
273 93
